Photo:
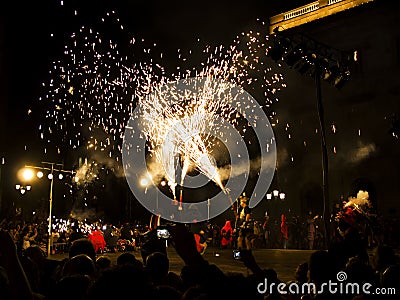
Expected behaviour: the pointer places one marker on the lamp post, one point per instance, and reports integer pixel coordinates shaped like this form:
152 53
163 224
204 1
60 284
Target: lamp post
3 161
52 167
146 181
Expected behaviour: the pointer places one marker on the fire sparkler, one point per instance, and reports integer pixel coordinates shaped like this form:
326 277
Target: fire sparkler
91 89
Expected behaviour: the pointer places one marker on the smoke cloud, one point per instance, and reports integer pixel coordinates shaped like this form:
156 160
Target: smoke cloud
362 152
361 199
83 215
227 171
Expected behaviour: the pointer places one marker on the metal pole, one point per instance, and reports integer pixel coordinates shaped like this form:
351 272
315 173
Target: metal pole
50 211
325 186
156 199
1 186
208 209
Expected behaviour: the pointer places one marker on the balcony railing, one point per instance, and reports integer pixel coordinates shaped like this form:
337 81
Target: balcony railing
301 11
310 12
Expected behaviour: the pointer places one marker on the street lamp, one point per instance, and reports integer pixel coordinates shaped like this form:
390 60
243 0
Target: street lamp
53 168
27 174
24 175
276 194
23 188
146 181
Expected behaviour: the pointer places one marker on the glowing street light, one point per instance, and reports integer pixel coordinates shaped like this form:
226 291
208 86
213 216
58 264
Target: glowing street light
27 174
144 182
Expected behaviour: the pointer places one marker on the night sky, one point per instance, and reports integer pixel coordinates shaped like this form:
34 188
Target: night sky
34 35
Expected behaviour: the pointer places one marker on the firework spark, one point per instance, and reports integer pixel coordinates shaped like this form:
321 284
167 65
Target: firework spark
93 88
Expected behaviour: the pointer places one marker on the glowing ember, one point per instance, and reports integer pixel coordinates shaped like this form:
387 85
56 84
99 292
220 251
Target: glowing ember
93 88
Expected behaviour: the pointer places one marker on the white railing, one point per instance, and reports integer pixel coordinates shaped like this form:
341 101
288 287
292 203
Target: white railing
306 9
333 1
311 10
301 11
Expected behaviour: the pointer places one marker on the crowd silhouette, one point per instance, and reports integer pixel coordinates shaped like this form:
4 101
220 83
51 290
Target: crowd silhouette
26 272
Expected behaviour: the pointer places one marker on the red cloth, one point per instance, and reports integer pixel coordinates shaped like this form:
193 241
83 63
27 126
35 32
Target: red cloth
97 239
198 245
226 233
349 216
284 228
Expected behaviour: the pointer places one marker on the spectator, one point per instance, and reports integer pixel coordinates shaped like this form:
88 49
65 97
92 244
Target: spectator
128 258
201 242
226 234
103 263
383 257
311 230
82 246
71 287
157 266
76 234
119 281
80 264
17 286
284 231
26 238
152 244
97 239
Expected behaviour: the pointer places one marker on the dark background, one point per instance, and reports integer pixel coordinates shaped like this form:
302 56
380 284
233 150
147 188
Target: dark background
365 161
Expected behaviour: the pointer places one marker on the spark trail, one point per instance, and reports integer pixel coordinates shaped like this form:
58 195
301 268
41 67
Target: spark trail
92 89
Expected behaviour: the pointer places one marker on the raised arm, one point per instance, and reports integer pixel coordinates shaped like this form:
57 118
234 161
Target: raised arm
18 282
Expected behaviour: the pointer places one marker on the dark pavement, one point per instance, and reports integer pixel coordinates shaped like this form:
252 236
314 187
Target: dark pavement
284 262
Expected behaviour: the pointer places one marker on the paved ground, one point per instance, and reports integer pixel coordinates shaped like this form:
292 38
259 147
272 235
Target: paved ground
284 262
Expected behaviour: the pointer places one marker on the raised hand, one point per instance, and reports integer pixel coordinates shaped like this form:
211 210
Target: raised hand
185 244
8 250
19 285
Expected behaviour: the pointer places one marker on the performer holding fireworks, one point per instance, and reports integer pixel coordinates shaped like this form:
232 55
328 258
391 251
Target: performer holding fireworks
244 228
352 222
